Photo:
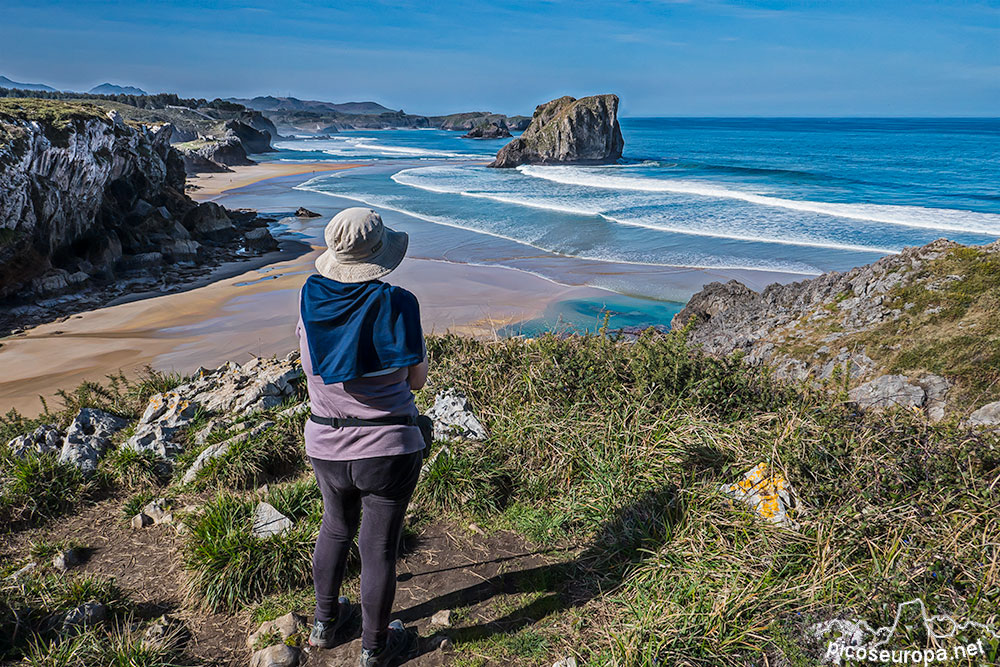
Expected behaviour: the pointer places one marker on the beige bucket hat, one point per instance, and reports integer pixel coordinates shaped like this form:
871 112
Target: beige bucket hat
360 247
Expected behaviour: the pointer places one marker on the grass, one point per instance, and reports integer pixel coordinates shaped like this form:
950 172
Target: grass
618 451
122 645
31 609
623 448
35 488
230 568
277 452
57 118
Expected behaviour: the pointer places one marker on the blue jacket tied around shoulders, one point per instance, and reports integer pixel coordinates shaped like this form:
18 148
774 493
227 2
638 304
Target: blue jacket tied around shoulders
357 328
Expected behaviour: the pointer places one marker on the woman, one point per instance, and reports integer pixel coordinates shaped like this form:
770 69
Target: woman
363 354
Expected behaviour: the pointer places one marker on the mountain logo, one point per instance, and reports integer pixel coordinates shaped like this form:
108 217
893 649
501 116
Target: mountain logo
857 640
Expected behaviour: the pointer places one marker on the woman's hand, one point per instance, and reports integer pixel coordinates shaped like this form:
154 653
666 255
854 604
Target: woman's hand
417 376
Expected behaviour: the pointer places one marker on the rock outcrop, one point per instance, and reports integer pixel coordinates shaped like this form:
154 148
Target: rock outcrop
453 417
208 154
89 201
568 131
872 324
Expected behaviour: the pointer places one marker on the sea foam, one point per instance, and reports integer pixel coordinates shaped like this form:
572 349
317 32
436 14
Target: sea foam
908 216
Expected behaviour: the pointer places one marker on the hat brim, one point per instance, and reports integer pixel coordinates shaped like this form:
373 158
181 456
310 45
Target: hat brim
377 266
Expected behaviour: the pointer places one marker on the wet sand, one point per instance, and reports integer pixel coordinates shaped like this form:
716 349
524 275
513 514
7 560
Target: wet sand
209 186
248 309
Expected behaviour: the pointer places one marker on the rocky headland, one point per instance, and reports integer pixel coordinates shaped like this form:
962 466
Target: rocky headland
568 131
92 206
917 329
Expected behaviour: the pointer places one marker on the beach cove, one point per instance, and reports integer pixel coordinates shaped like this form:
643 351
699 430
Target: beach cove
243 309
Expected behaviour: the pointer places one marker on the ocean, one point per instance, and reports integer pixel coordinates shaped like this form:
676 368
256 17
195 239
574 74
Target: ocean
785 198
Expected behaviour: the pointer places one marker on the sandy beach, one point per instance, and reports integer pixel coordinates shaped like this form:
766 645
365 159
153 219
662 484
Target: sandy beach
247 310
250 308
208 186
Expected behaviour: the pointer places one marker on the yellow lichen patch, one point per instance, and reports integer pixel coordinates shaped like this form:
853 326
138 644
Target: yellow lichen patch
767 494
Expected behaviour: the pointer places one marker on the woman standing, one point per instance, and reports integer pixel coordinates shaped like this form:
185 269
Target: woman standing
363 354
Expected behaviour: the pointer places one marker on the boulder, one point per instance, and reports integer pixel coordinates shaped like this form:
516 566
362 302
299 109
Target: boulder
302 212
209 219
936 392
45 439
220 449
568 131
88 436
888 391
988 415
87 614
164 416
453 418
182 251
768 494
279 655
159 511
66 559
260 240
260 384
268 522
285 626
441 618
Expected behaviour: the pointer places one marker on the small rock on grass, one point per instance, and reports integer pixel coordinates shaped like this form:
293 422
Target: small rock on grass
565 662
141 520
87 614
279 655
159 511
287 625
27 569
267 521
67 559
442 618
166 632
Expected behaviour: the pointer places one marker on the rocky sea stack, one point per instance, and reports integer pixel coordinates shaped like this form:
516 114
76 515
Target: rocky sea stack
568 131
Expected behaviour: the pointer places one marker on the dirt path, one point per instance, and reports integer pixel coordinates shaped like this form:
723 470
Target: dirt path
445 566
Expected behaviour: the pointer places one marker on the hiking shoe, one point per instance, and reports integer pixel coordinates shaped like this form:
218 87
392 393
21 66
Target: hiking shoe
396 642
324 632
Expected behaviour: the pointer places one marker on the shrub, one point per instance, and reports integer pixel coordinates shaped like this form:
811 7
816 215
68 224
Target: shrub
229 567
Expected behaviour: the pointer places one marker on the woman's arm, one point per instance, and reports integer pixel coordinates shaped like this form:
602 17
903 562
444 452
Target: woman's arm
417 375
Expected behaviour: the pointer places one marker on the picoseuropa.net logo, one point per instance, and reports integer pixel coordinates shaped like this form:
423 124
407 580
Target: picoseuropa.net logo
855 641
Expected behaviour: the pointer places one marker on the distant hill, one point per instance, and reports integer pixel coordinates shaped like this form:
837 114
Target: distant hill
7 83
271 103
112 89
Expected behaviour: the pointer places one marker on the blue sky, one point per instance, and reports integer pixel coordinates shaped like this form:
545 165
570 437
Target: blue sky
663 57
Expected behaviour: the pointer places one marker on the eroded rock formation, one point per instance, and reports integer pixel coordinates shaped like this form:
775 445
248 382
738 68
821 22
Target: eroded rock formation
568 131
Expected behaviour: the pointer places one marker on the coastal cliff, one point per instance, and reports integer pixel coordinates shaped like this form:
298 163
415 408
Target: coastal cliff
919 328
87 198
568 131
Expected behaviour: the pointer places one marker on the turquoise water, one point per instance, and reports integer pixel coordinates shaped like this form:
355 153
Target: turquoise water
796 197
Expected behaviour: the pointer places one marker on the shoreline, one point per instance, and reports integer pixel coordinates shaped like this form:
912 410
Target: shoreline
245 309
208 186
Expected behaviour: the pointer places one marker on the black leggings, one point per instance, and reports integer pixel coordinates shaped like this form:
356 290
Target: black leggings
383 487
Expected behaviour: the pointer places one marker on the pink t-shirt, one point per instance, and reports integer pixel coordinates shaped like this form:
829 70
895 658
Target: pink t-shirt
364 398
